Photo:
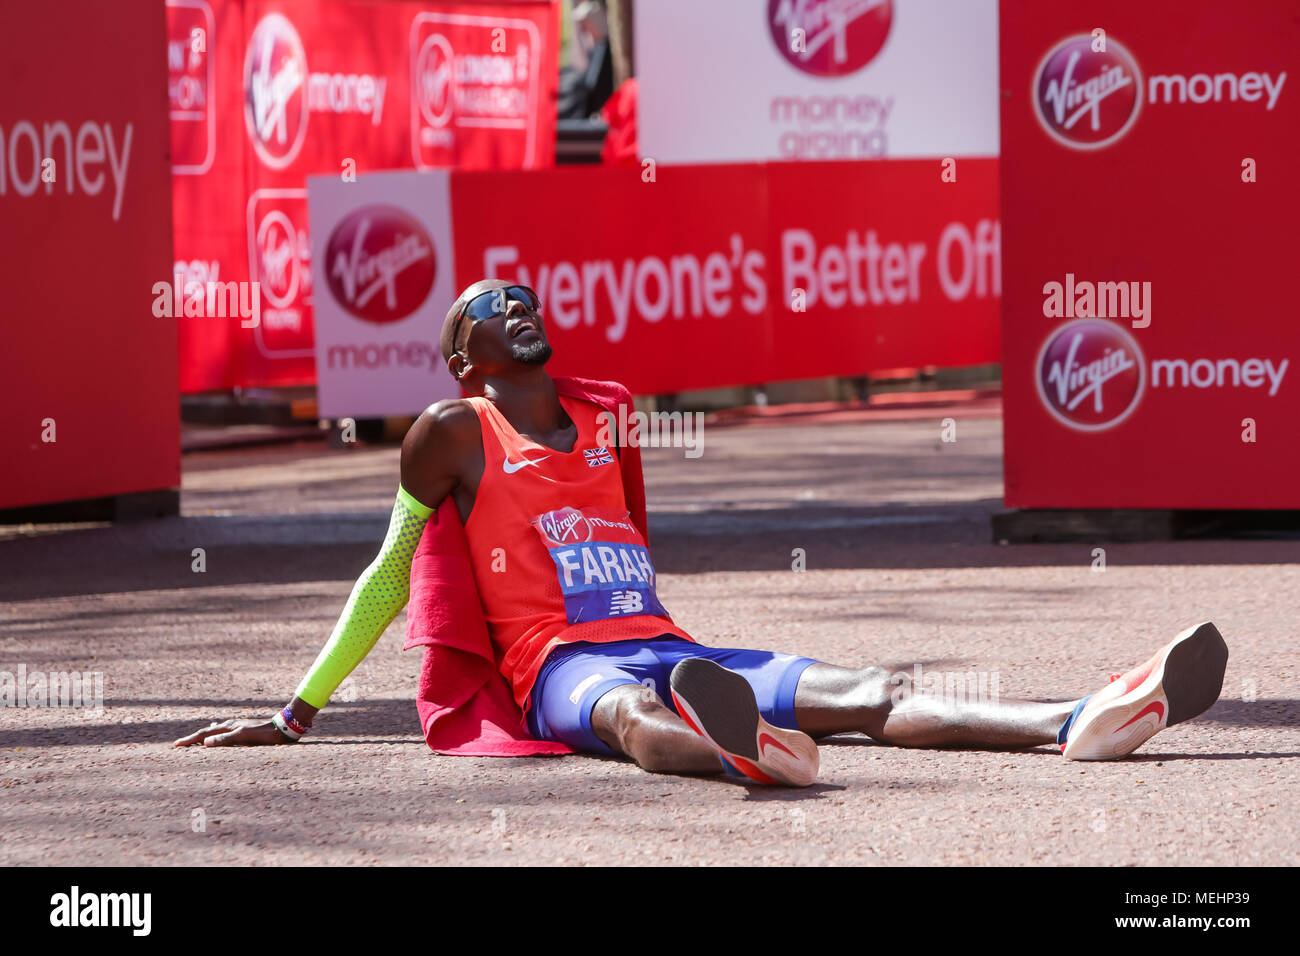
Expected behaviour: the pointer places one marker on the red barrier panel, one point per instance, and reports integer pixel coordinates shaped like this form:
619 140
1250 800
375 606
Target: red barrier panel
208 181
1148 198
283 89
723 275
662 286
693 277
88 396
901 267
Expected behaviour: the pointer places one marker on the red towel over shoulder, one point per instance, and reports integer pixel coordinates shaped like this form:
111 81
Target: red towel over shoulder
465 705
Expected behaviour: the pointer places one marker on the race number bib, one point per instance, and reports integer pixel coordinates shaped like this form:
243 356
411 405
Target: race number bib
602 563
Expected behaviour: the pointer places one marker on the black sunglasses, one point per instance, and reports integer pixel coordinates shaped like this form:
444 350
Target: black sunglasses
495 302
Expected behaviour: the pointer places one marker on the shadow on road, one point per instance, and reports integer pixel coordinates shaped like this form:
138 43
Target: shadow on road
287 549
372 721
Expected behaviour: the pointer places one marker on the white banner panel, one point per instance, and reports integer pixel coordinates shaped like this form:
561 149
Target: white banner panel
384 277
751 80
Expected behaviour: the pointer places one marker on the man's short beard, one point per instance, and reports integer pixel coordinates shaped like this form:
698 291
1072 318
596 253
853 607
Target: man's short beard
534 353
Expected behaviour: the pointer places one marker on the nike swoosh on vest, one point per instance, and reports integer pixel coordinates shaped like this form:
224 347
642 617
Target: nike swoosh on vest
510 467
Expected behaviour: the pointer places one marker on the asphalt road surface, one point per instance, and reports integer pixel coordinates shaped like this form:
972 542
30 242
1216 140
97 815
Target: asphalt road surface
900 568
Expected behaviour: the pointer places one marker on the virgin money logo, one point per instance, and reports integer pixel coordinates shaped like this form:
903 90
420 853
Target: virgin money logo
1084 99
1090 374
564 526
275 91
829 37
278 260
380 264
433 80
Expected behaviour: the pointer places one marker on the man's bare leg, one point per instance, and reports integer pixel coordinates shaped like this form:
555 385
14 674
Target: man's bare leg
829 700
832 699
637 724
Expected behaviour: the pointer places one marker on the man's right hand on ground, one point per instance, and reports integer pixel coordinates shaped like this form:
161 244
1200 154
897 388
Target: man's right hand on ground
235 733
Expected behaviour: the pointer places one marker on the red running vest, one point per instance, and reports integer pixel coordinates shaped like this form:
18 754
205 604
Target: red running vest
556 557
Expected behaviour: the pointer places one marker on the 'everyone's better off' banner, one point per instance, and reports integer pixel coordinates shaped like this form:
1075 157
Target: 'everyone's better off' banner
664 279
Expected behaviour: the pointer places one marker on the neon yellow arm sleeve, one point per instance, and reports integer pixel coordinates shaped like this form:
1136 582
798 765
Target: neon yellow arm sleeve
377 597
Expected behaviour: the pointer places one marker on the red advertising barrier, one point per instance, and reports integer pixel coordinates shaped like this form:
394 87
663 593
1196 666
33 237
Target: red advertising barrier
901 266
722 275
208 177
266 92
88 395
1148 199
678 278
662 286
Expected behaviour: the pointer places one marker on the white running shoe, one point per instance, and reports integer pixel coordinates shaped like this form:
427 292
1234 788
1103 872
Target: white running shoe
1180 682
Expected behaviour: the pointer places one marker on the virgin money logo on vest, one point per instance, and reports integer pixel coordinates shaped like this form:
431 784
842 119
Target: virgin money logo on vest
829 37
1086 99
564 526
1090 374
571 526
380 264
275 91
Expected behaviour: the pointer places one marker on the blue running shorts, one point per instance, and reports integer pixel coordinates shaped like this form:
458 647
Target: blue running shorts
575 676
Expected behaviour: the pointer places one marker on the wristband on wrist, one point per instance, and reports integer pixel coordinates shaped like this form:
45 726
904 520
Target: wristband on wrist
288 725
278 721
293 722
